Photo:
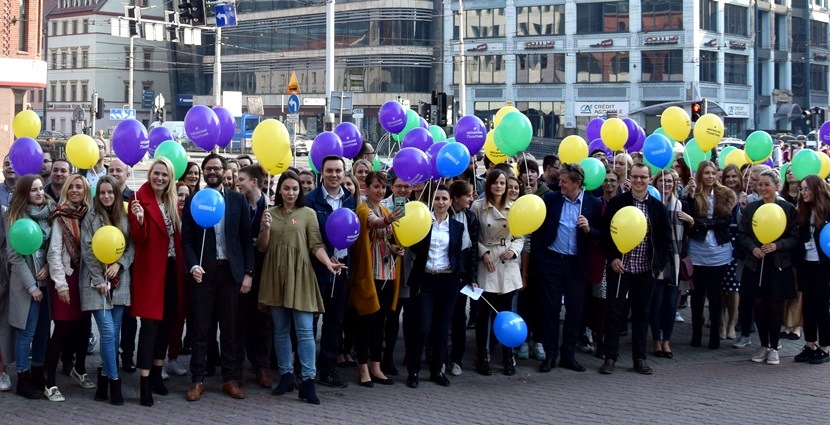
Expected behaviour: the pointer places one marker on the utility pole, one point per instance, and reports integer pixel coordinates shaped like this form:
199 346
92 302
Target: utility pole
132 70
462 85
329 57
217 69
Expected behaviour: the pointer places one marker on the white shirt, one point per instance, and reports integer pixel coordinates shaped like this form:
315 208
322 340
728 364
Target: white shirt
336 202
461 217
810 249
219 229
93 176
439 244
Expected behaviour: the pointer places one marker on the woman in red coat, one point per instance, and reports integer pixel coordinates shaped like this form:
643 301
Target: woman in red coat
157 272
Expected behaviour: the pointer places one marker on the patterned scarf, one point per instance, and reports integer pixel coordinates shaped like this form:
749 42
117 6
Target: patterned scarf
69 217
41 214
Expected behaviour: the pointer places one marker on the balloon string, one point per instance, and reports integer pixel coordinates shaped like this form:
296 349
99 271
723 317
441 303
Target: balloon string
761 274
421 195
268 192
747 175
333 279
619 278
202 255
488 303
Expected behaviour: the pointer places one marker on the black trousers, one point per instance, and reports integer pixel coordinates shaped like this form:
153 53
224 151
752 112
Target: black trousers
254 332
639 288
129 329
560 275
69 336
432 311
769 316
152 337
391 329
369 330
708 284
814 282
331 333
458 329
217 294
529 305
484 323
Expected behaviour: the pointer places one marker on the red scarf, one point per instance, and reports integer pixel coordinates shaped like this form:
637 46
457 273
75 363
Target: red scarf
69 217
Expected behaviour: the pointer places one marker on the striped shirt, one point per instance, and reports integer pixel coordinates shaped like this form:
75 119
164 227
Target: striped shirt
637 261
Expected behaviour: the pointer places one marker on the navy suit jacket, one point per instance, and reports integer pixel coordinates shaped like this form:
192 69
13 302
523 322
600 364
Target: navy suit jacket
421 251
541 239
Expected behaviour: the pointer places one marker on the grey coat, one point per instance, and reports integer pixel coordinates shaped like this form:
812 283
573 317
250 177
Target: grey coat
6 334
22 283
92 270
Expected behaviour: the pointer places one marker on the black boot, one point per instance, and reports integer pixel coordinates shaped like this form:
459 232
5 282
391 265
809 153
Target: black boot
509 362
286 384
116 398
307 392
156 383
146 393
38 380
388 365
697 334
25 388
483 364
101 388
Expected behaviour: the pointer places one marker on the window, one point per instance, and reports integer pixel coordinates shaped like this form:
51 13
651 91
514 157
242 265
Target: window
482 23
64 27
662 65
40 95
84 58
64 59
127 57
127 93
84 91
54 26
818 34
63 91
74 26
709 15
734 69
799 34
540 20
735 20
54 64
602 67
148 58
23 27
73 91
85 26
53 92
592 18
660 15
488 69
540 68
74 56
818 78
708 66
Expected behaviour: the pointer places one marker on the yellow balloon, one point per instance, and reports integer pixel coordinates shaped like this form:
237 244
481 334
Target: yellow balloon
414 225
573 149
82 151
614 134
496 156
526 215
270 142
501 113
628 228
708 132
26 124
825 165
769 222
108 244
282 165
737 157
676 123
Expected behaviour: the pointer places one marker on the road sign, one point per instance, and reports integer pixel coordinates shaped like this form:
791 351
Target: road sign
147 97
293 118
293 85
294 104
159 101
122 114
225 15
314 101
357 113
78 114
340 100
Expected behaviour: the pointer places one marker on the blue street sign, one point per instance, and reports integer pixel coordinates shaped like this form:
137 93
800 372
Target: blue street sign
225 15
122 114
147 97
184 100
294 104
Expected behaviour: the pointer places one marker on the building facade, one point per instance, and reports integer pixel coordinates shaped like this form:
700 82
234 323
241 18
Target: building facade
566 62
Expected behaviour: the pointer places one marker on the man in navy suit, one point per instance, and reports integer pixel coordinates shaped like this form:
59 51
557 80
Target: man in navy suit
559 259
220 274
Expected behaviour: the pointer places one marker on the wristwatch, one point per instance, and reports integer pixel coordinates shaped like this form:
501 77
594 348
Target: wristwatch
249 273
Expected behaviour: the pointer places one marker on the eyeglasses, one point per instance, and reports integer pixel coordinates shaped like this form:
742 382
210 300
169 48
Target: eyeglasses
668 181
633 177
402 187
607 181
599 155
804 189
212 169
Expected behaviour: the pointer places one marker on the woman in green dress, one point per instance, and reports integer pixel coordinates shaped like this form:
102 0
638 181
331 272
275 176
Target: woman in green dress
289 235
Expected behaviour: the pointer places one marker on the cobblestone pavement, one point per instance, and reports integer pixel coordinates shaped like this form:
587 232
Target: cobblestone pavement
697 386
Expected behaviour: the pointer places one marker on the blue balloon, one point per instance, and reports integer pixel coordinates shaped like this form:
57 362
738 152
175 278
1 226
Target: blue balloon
651 191
657 149
452 159
207 207
824 240
510 329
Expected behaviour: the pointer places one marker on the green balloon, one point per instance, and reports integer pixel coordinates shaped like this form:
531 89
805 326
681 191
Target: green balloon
174 152
311 165
513 134
723 154
805 162
663 132
783 172
758 146
438 133
376 165
412 121
25 236
694 155
594 173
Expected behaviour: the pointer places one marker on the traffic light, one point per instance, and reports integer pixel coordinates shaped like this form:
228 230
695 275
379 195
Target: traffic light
442 110
134 17
697 111
807 115
818 117
192 12
99 108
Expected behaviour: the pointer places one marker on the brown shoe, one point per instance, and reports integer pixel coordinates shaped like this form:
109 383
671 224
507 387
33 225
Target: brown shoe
641 367
263 379
195 392
232 389
607 367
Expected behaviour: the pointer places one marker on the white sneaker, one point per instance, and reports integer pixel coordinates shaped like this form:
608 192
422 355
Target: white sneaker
761 355
772 357
455 369
678 318
53 394
5 381
164 375
539 351
83 380
176 368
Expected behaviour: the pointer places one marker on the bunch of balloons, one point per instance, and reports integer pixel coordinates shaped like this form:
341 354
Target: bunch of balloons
25 154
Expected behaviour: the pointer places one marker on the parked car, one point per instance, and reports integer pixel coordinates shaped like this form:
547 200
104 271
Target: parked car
730 141
51 135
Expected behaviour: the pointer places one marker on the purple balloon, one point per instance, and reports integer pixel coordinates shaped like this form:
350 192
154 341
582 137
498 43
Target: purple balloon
432 154
202 126
638 145
824 133
598 144
471 132
592 131
633 132
769 163
350 137
412 166
26 156
130 141
158 136
325 144
418 138
392 117
424 123
342 228
227 126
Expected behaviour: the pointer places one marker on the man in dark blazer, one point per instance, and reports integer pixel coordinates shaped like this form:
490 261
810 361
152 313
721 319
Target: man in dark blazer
559 260
220 274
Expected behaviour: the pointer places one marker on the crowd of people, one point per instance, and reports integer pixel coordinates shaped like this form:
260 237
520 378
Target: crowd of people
266 274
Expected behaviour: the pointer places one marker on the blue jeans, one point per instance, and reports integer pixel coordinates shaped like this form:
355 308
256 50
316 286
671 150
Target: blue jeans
663 310
109 326
306 349
32 340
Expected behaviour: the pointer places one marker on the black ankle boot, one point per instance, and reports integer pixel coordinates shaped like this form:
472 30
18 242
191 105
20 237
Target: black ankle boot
145 393
286 384
38 380
116 397
156 382
101 389
25 388
483 365
307 392
509 362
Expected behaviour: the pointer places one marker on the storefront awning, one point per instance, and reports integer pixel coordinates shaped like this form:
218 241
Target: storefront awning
790 111
712 107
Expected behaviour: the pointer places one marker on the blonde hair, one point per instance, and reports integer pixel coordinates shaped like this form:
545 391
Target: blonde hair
87 191
168 195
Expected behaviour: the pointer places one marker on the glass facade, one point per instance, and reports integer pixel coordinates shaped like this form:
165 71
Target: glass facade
709 15
662 65
482 23
708 66
602 67
486 69
540 20
735 69
735 20
540 68
607 17
661 15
